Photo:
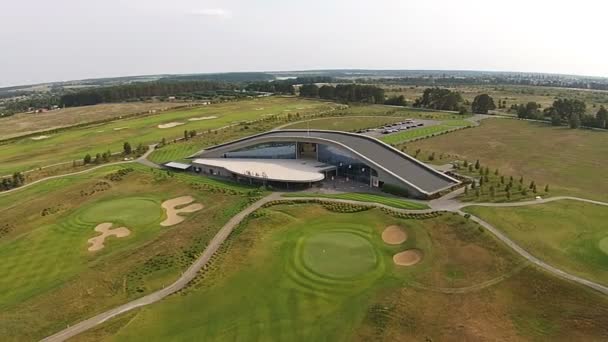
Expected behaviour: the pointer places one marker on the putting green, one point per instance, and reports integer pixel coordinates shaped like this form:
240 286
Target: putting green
129 210
604 245
338 254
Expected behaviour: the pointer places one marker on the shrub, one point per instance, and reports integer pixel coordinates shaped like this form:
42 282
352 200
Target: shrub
395 190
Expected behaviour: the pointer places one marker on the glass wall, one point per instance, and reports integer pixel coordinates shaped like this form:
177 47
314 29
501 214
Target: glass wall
347 164
273 150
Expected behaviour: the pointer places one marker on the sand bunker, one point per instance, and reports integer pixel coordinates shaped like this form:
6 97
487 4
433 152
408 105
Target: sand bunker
394 235
261 108
408 258
104 229
203 118
604 245
170 124
40 137
120 128
171 206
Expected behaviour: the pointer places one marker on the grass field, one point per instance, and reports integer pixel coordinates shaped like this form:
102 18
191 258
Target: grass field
363 197
50 279
348 124
290 274
22 124
566 234
403 136
74 143
570 161
514 94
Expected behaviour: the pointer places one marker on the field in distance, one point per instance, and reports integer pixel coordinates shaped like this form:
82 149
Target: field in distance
303 272
27 123
33 152
571 161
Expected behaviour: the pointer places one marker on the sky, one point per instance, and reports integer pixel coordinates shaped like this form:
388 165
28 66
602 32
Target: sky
43 41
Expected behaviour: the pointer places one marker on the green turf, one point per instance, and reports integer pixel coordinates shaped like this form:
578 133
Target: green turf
364 197
403 136
65 146
50 279
272 281
349 124
337 253
569 235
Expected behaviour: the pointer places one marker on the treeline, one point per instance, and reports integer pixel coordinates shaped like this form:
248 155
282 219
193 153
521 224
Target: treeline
137 90
564 111
12 182
441 99
344 93
286 86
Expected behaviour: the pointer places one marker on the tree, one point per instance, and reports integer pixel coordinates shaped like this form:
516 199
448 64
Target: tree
529 111
396 101
309 90
477 165
556 119
482 104
185 134
87 159
574 120
327 92
98 158
126 147
466 189
532 185
192 133
602 117
547 188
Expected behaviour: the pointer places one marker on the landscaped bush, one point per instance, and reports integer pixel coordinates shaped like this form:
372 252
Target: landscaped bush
395 190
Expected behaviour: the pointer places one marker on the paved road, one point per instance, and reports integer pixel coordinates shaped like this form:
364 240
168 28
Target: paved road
180 283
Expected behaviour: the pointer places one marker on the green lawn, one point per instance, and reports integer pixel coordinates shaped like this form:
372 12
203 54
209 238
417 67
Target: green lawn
301 272
403 136
74 143
50 278
363 197
348 124
569 235
571 161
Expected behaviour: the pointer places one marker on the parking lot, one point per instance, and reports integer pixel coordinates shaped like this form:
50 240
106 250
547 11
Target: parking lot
406 124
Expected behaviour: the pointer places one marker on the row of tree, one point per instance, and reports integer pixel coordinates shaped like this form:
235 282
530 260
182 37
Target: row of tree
137 90
16 181
565 111
344 93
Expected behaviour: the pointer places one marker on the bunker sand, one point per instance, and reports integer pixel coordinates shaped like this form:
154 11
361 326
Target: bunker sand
170 124
41 137
394 235
203 118
97 242
171 206
408 258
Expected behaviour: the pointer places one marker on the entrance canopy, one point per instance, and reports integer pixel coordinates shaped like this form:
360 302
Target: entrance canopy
280 170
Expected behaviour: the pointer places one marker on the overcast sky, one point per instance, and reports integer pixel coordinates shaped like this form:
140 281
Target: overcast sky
43 40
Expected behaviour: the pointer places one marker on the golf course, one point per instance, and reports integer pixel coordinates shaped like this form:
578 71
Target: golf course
301 272
93 240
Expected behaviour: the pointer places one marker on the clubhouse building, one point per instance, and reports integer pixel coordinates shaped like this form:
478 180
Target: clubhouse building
300 158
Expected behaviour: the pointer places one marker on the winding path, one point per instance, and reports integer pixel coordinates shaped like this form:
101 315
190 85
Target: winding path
143 159
447 203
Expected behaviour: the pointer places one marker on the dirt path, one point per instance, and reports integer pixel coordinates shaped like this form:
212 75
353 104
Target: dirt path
180 283
225 231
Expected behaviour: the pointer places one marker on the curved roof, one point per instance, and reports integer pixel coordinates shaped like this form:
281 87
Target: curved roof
282 170
374 151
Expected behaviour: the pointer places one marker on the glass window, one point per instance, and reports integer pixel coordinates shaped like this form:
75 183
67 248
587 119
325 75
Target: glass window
273 150
347 164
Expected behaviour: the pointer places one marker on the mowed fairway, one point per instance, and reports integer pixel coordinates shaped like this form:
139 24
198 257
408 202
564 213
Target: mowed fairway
74 143
303 273
348 124
571 161
569 235
27 123
50 278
